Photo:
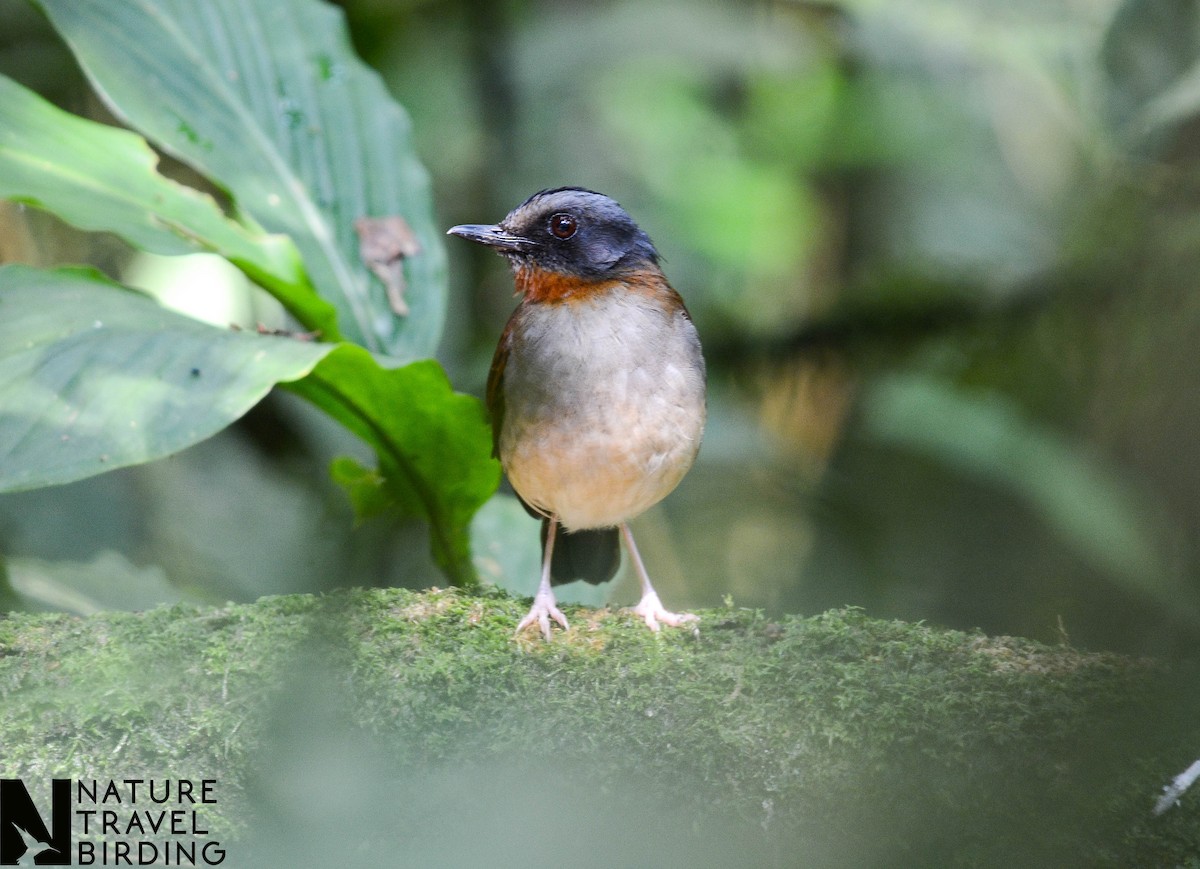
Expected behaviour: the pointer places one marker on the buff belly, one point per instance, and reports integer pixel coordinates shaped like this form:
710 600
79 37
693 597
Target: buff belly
594 431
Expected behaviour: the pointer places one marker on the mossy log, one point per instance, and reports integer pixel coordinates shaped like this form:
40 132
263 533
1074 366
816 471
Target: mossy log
390 727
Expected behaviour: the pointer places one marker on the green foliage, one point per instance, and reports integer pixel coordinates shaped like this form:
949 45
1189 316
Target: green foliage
94 376
363 485
267 101
425 453
102 178
1149 57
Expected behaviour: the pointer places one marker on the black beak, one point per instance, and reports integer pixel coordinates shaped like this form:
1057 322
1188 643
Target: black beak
494 237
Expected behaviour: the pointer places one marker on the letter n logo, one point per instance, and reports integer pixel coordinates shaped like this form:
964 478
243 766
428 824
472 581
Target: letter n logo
25 839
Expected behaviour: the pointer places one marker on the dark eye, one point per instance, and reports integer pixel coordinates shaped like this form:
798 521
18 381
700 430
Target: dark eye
563 225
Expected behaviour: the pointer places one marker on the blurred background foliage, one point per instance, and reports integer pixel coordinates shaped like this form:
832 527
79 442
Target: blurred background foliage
943 256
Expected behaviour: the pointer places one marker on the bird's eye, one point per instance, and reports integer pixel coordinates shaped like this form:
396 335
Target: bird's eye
563 225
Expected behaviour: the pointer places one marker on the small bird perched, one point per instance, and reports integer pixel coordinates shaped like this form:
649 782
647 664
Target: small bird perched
596 391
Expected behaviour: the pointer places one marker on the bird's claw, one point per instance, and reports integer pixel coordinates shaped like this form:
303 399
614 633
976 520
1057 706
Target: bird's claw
652 612
540 613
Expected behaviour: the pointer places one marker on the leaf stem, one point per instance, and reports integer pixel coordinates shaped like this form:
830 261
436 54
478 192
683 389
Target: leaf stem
454 562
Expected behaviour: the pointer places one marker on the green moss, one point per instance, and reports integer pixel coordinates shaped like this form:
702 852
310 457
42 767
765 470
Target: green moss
851 740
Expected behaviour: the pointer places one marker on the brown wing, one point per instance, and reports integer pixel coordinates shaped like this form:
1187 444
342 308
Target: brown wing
495 386
495 405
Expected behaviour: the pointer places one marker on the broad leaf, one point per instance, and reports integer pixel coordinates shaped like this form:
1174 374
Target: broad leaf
99 177
1150 55
267 98
94 376
433 444
366 488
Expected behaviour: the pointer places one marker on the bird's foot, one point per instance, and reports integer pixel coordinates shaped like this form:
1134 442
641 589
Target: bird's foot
543 609
653 613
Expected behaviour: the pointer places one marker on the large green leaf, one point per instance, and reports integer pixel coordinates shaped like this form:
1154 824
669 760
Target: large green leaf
267 98
99 177
94 376
433 444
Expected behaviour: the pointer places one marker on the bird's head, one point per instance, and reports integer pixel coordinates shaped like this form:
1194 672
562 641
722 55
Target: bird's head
568 232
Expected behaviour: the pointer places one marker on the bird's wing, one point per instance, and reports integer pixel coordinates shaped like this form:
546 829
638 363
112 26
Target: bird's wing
495 388
33 847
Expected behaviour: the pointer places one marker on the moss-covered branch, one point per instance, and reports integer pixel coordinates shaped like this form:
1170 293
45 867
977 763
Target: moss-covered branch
366 726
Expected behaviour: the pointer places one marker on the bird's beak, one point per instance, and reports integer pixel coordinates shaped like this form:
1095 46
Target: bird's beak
492 236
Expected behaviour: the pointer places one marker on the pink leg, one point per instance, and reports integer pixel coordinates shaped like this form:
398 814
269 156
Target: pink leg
650 608
544 605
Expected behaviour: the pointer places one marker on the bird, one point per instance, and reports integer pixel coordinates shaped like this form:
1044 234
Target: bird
34 847
597 389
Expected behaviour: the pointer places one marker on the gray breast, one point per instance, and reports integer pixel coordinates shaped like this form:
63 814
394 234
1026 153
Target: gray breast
604 407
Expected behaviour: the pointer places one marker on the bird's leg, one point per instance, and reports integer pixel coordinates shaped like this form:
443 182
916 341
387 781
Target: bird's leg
544 606
650 608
